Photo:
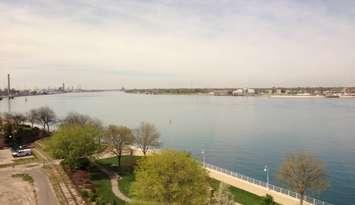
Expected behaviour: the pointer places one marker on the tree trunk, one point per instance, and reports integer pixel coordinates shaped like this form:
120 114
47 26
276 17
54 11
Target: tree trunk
119 158
301 199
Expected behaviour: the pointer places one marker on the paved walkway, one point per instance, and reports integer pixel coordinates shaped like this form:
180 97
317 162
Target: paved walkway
253 188
114 183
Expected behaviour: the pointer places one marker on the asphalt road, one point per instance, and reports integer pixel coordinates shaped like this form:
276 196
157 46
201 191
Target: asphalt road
43 189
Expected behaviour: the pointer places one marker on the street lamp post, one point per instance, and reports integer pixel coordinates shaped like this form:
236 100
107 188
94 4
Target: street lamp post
266 169
10 140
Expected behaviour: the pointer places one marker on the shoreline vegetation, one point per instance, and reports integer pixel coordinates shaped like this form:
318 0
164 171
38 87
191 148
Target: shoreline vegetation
299 92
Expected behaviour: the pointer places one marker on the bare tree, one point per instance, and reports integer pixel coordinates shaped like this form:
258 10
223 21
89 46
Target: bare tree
303 172
15 118
81 119
46 117
119 136
32 117
147 136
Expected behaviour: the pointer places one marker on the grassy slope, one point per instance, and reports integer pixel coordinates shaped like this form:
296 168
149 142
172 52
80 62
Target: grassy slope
126 171
103 187
240 196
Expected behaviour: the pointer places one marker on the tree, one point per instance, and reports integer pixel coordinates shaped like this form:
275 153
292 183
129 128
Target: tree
119 136
269 200
73 143
32 117
223 196
46 116
18 119
2 132
147 136
170 177
303 172
80 119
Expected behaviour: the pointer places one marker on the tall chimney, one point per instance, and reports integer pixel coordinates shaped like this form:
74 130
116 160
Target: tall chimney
8 86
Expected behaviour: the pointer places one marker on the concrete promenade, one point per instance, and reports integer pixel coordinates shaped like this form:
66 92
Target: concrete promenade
253 188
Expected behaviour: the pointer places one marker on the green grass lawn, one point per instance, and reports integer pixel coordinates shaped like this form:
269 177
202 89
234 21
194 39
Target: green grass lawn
127 168
240 196
103 189
246 198
125 172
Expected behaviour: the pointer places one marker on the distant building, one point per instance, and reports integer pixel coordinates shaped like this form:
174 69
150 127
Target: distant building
243 92
238 92
250 91
279 91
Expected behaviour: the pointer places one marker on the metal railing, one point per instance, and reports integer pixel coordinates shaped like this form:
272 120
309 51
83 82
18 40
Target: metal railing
265 185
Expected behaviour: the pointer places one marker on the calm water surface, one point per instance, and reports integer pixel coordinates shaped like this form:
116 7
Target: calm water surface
238 133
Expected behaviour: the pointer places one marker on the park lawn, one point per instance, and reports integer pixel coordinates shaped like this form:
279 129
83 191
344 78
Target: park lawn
126 172
246 198
103 188
240 196
127 177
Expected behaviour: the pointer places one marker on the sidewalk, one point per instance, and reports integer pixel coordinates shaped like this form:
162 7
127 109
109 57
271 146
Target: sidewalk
253 188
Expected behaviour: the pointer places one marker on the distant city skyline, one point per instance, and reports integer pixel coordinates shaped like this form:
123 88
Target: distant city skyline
164 44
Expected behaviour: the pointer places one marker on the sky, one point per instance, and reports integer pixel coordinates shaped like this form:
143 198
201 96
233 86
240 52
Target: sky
165 43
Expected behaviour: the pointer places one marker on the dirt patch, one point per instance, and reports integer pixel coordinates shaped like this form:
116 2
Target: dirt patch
15 191
5 156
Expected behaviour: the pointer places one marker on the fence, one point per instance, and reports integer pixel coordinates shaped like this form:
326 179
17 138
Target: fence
265 185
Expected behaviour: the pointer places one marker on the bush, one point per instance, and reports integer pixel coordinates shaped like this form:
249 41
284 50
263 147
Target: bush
84 193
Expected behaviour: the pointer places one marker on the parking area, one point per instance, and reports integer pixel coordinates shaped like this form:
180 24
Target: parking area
7 158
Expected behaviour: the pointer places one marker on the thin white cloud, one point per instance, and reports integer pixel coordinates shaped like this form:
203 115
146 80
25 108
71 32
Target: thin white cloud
209 43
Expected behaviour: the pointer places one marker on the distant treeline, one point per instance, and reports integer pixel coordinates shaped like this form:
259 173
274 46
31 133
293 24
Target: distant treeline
229 91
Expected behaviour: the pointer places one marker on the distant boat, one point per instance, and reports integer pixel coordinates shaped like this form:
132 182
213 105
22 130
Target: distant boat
0 98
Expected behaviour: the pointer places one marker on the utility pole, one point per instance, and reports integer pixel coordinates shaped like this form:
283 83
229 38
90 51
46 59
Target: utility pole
8 86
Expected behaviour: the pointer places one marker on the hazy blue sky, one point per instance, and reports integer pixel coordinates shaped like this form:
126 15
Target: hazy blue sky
206 43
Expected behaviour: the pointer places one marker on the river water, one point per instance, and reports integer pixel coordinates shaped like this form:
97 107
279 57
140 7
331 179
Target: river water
238 133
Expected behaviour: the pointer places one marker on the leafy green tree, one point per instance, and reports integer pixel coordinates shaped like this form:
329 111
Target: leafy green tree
147 136
73 143
119 136
223 196
170 177
303 172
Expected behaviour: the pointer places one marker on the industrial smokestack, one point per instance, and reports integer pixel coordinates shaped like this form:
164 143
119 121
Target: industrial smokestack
8 86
